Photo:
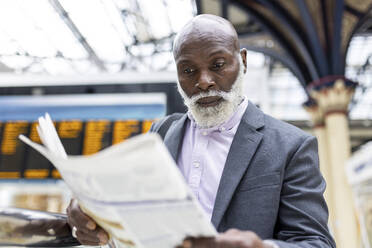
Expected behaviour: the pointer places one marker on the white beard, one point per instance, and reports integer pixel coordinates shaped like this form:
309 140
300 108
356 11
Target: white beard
206 117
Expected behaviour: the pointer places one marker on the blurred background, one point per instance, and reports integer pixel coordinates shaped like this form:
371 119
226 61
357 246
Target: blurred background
104 71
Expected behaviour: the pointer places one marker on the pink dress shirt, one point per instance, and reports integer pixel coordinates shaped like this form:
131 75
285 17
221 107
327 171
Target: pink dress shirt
203 156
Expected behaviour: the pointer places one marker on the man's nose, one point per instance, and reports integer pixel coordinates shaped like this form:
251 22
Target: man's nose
205 82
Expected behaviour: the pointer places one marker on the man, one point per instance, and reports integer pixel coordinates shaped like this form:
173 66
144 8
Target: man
257 178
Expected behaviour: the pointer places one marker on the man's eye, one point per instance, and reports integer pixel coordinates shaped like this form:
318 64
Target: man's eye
188 70
218 65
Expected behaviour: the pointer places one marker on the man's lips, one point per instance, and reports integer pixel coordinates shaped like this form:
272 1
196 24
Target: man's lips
209 101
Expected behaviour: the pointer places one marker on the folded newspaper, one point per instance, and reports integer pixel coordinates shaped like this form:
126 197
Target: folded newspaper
134 190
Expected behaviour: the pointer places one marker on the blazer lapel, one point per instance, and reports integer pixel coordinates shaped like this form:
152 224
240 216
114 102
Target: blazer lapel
243 148
174 137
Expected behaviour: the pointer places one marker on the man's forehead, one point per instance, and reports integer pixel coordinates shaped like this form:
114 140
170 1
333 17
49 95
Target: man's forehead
206 30
188 55
206 43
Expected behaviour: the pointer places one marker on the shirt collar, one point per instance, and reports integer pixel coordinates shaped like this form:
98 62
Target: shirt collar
227 125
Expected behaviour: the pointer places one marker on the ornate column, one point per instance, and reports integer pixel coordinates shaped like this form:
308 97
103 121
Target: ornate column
333 95
320 132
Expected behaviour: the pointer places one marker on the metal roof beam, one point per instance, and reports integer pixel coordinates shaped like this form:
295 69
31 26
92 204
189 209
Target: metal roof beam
76 32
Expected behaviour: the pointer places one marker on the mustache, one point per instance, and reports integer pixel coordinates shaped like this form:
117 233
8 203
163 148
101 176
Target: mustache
210 93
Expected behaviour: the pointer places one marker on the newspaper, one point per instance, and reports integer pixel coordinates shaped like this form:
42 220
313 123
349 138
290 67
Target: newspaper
134 190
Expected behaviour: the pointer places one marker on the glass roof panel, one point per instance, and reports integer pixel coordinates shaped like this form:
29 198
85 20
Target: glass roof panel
119 34
92 21
17 62
113 11
137 35
156 18
359 69
8 46
85 66
179 12
15 23
359 50
45 18
286 96
57 65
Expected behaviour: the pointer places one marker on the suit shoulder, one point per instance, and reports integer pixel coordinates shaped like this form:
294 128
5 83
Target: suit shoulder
281 141
284 129
159 123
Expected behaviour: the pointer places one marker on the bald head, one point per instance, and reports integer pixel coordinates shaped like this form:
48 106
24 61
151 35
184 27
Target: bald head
205 29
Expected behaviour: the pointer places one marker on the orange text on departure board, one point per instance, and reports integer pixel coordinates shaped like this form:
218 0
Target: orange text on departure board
56 174
10 136
34 136
69 129
146 125
124 129
36 173
94 133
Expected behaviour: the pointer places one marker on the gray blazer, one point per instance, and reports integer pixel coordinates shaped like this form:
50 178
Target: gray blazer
271 183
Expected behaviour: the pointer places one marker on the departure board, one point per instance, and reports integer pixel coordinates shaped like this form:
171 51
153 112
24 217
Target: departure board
12 149
97 136
37 167
71 134
146 125
85 125
18 160
124 130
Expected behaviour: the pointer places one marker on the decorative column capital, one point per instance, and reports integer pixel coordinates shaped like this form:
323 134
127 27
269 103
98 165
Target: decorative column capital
315 112
332 94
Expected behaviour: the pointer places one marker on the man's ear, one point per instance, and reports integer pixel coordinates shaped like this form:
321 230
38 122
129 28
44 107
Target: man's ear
243 53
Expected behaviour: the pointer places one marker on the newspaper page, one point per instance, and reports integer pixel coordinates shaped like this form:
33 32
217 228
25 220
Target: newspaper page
134 190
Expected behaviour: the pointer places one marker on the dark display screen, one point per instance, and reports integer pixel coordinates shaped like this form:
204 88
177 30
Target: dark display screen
80 136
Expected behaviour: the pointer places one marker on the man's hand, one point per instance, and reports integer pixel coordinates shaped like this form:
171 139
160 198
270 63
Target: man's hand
232 238
87 230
